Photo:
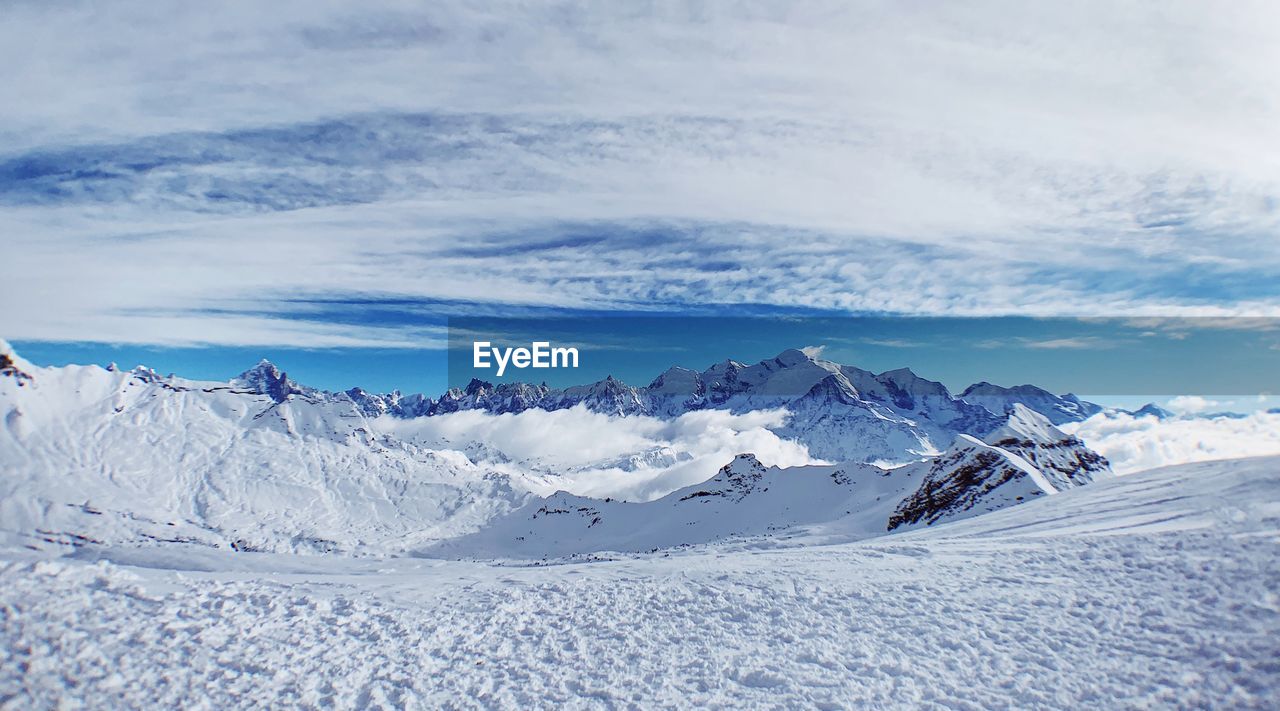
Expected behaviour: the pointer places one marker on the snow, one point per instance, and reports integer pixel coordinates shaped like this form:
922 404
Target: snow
173 543
95 455
1058 409
1025 423
969 479
1157 589
262 463
748 498
840 412
1062 459
745 498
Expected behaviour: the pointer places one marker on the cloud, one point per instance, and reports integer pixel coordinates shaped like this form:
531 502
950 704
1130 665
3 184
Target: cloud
891 342
1049 344
222 165
1191 404
1176 328
1134 444
1076 343
591 454
814 351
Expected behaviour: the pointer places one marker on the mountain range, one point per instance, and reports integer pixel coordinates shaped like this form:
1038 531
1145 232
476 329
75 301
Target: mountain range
840 412
1026 459
96 456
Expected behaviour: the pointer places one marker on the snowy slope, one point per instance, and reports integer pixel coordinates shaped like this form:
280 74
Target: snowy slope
1023 459
836 424
265 463
969 479
1062 458
1154 590
745 498
94 455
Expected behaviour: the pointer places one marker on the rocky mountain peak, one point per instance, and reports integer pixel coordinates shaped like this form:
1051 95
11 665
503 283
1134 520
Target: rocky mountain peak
10 367
740 476
266 379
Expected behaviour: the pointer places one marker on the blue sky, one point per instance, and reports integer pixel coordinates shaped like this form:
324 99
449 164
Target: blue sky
196 186
1120 361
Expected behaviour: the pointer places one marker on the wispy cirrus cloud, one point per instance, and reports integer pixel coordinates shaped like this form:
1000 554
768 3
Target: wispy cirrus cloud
223 166
891 342
1073 343
1066 343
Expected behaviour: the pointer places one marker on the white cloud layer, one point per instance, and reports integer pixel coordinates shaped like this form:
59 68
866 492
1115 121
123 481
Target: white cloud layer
1134 444
642 458
210 163
591 454
1191 404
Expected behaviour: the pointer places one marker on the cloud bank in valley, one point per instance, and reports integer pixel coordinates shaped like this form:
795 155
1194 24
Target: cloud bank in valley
641 458
1136 443
182 174
591 454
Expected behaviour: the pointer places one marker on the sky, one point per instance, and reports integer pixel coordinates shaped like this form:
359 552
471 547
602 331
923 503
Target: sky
1129 356
326 184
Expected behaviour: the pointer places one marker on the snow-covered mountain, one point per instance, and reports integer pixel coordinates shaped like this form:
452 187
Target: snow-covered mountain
745 498
1059 409
840 412
1027 457
968 479
1153 410
1062 458
1155 589
1024 459
93 455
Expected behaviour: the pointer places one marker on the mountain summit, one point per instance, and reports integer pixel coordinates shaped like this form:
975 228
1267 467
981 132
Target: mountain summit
264 463
266 379
840 412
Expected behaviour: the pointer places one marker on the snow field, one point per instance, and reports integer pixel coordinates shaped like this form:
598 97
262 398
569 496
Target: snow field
1172 601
